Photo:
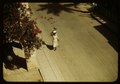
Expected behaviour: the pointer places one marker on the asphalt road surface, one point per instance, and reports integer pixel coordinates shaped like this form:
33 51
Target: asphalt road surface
83 54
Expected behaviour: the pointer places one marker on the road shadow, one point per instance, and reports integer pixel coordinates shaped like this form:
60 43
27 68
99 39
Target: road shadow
54 8
109 29
10 59
57 8
17 45
107 20
50 47
109 35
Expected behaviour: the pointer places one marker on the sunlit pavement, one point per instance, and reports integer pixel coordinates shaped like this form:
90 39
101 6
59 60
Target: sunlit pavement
83 55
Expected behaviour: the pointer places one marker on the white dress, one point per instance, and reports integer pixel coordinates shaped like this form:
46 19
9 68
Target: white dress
55 40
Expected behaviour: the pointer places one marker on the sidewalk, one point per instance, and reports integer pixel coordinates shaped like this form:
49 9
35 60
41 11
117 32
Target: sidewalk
22 75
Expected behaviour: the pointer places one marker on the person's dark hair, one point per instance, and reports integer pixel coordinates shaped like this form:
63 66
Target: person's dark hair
54 33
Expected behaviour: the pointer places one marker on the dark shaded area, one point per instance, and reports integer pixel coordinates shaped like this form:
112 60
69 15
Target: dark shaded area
1 40
109 35
109 29
76 4
18 45
50 47
108 23
57 8
109 9
11 60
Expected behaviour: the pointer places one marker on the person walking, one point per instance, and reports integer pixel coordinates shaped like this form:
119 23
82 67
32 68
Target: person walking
55 39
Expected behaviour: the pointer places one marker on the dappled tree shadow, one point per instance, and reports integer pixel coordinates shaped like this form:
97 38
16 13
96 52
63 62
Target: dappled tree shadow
10 59
57 8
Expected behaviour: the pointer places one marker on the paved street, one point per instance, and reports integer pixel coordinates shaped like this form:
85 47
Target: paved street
83 55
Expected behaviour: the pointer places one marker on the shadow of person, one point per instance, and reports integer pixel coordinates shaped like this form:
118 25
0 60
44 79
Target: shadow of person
50 47
12 61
